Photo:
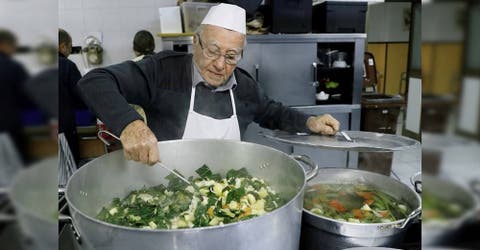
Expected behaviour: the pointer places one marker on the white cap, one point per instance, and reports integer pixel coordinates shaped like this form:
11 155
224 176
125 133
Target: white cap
227 16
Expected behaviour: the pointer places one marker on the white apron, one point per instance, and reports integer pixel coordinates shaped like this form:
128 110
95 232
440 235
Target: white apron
200 126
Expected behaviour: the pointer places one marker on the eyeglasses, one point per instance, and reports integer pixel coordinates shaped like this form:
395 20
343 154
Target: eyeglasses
212 51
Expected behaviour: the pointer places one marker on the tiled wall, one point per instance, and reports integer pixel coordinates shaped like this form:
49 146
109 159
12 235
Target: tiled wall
117 20
33 24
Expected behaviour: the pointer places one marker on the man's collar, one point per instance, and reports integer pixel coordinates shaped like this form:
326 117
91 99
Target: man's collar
197 78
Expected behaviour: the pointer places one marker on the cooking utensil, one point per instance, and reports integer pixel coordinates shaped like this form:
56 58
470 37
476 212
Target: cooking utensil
95 184
361 141
319 232
346 136
156 164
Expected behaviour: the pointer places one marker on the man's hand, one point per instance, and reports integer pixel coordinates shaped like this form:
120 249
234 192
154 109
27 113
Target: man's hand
139 143
323 124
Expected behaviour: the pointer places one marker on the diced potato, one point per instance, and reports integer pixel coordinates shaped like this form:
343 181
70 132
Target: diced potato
113 211
134 217
316 210
249 188
238 182
251 198
190 189
205 183
262 192
152 225
366 207
145 197
233 205
189 217
402 207
228 213
353 220
217 189
204 191
215 221
258 207
182 223
204 200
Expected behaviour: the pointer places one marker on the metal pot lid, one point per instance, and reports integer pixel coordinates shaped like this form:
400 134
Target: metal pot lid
362 141
366 248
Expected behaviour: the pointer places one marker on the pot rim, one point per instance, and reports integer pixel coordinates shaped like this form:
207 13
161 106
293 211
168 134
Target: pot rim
384 224
195 229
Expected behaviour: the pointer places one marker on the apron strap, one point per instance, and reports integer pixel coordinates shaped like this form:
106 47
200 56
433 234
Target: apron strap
192 99
234 108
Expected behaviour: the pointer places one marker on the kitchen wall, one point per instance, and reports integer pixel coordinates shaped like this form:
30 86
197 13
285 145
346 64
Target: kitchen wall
117 20
40 29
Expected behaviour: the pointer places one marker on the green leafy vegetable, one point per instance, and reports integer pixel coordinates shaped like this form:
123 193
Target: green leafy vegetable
212 200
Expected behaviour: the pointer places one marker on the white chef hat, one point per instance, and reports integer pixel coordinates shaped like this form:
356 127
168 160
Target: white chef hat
227 16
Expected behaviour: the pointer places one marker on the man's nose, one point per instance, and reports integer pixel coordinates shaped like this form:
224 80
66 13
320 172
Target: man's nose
219 63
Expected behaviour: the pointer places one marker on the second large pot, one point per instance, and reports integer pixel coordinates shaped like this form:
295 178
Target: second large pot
319 232
109 176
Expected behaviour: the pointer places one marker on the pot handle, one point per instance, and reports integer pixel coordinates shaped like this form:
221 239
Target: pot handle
100 132
68 220
417 184
309 173
413 215
475 186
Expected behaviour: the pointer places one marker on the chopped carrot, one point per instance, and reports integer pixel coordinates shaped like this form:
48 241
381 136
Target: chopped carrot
210 212
383 213
365 195
369 202
337 205
246 212
357 213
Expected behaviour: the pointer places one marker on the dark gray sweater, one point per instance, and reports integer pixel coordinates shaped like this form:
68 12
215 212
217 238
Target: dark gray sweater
162 84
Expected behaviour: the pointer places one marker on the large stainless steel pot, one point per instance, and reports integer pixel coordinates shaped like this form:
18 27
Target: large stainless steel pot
319 232
443 232
34 196
109 176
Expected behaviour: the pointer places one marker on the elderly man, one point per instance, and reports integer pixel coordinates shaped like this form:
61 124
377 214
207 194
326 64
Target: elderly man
203 95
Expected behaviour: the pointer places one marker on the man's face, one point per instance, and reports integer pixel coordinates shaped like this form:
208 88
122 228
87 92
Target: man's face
226 44
66 48
8 48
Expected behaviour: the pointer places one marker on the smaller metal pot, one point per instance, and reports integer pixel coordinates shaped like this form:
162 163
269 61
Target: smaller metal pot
319 232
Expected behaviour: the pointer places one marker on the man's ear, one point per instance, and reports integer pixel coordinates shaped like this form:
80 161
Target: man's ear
61 47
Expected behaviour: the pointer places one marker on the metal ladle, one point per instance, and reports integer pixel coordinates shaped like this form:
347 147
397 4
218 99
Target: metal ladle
100 132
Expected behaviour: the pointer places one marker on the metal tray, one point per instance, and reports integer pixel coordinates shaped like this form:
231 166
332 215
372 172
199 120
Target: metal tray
362 141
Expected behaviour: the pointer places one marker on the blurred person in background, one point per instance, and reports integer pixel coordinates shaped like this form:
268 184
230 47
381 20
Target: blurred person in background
143 44
69 99
12 96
